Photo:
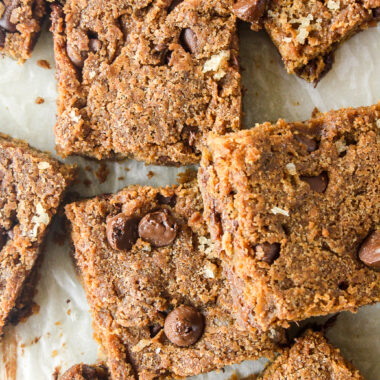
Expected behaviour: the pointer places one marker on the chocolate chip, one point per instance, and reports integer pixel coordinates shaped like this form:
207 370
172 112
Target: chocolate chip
376 13
250 10
173 4
318 183
5 21
76 56
268 252
171 201
311 144
184 326
189 40
369 252
122 231
158 228
95 45
2 37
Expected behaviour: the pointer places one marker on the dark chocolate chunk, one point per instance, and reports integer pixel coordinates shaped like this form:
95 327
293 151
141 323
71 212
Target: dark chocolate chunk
5 21
318 183
369 252
268 252
122 231
250 10
184 326
158 228
189 40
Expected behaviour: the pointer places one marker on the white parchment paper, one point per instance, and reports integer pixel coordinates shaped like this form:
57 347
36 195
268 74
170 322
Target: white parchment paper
61 335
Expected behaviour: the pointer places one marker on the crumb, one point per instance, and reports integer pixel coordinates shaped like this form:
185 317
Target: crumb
127 169
35 309
44 64
150 174
121 178
39 100
87 182
102 173
58 323
88 168
68 300
56 372
186 176
54 353
68 312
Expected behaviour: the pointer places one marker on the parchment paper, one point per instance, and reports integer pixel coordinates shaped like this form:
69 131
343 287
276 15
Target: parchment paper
61 335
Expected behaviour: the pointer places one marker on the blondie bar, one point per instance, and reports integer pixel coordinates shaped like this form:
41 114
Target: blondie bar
307 33
294 210
32 187
145 79
20 25
159 300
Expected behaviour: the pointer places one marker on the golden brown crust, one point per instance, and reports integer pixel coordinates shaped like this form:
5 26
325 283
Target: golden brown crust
256 189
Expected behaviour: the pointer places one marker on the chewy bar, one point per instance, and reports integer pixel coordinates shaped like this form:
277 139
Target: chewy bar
146 80
295 214
32 187
157 293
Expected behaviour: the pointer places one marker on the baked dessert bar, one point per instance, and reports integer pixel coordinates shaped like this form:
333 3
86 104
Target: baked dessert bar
294 210
311 357
85 372
159 300
32 187
145 79
307 33
20 25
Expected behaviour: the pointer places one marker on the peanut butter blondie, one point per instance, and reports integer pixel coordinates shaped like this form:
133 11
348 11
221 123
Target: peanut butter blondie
159 300
311 358
85 372
307 33
32 187
20 25
294 210
145 79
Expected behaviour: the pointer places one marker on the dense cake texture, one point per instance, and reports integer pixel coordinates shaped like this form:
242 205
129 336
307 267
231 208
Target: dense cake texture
32 187
294 210
85 372
307 33
159 300
145 79
311 358
20 25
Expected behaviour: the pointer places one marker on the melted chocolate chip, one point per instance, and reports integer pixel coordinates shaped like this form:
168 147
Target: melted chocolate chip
95 45
250 10
184 326
189 40
122 231
158 228
311 144
76 56
5 21
318 183
268 252
2 37
171 201
369 252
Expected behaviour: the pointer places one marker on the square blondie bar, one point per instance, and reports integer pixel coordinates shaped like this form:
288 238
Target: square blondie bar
20 25
158 296
32 187
145 79
307 32
295 213
311 357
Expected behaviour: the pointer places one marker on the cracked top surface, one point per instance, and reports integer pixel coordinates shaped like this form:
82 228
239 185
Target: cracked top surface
20 24
289 206
311 357
306 32
32 186
131 292
145 79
